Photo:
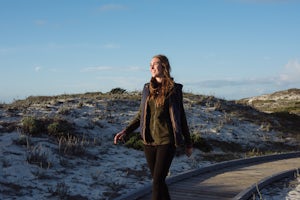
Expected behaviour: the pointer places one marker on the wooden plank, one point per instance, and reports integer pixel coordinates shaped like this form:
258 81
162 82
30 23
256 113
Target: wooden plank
226 183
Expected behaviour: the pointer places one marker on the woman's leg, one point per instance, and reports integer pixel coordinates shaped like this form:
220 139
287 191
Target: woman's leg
150 153
159 160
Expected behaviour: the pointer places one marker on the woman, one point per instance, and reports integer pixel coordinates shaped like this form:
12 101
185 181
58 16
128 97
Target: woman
162 123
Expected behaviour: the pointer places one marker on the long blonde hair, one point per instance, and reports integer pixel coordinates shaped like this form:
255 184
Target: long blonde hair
160 92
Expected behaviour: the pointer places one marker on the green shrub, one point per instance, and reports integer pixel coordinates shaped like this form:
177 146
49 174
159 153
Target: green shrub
32 125
117 91
54 128
59 127
134 141
200 143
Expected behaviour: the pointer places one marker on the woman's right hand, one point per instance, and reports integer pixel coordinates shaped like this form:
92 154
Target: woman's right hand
119 136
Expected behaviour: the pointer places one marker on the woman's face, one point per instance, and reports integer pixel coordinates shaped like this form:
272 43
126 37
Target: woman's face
156 68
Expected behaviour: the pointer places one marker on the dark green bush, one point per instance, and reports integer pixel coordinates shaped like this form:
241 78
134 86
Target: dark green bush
134 141
32 125
117 91
59 127
200 143
55 129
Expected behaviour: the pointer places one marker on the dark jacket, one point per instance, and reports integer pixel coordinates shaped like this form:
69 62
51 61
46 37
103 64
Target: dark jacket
177 116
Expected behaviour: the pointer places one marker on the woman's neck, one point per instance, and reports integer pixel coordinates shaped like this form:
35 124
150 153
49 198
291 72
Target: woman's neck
158 79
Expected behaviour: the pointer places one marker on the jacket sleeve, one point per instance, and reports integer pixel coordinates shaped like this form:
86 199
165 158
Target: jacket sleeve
136 121
184 124
134 124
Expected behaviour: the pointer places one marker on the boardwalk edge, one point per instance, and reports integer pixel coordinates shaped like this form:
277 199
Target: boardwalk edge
252 190
137 194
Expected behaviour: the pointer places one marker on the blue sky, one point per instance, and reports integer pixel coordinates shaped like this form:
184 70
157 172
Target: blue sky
227 48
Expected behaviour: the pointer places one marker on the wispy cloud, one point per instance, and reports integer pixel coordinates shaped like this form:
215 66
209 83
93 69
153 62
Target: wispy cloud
221 83
291 72
110 68
111 46
133 68
40 22
37 68
112 7
98 68
53 70
4 50
290 75
45 69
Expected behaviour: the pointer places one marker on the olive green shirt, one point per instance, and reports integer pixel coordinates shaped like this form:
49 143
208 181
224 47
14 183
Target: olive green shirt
160 123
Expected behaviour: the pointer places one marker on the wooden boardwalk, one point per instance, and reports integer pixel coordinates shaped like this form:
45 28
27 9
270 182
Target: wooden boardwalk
225 180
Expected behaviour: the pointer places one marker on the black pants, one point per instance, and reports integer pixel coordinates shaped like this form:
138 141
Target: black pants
159 159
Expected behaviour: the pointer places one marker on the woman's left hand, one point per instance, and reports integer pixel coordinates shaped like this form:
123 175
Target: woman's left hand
188 151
